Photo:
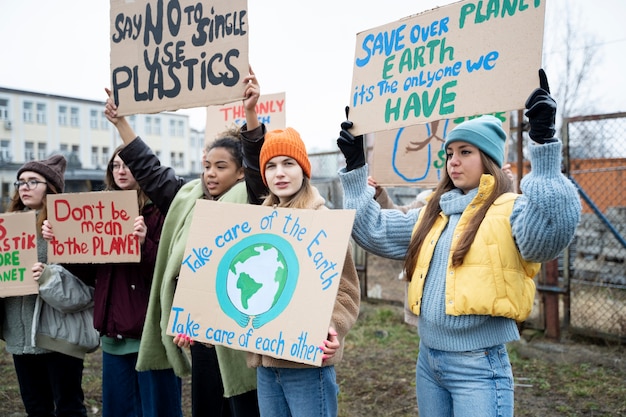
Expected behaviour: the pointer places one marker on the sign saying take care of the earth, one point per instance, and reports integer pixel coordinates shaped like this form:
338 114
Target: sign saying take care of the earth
261 279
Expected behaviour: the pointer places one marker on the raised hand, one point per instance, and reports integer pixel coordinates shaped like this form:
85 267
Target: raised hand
351 146
541 112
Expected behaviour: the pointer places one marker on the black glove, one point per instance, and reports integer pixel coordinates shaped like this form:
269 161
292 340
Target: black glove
351 146
541 112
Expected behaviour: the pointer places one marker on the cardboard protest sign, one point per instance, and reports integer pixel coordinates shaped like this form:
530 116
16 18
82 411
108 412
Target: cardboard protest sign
170 55
414 155
270 110
93 227
463 59
261 279
18 253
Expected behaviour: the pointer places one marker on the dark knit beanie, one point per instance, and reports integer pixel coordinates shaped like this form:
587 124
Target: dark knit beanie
485 133
52 169
285 142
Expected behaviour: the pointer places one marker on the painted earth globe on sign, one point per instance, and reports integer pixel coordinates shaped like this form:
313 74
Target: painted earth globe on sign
256 278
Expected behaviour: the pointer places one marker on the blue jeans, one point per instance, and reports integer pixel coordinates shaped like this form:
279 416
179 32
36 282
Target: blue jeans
464 384
300 392
126 392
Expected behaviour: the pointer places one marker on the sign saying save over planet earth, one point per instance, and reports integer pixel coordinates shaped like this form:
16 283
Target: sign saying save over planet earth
464 59
261 279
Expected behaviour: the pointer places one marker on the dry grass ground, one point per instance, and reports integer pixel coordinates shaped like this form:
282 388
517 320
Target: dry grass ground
377 376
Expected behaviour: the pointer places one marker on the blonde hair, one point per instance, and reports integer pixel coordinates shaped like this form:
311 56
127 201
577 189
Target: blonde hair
300 199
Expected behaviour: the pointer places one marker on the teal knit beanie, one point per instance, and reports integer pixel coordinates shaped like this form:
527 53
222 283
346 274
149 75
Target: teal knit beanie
484 132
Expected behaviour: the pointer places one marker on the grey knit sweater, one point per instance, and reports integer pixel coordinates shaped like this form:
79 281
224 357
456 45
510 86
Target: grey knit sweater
543 222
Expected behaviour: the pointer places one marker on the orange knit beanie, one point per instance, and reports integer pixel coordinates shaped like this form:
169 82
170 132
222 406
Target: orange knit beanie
285 142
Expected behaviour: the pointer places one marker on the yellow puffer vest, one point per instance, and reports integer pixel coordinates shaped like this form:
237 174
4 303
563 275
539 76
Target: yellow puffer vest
493 279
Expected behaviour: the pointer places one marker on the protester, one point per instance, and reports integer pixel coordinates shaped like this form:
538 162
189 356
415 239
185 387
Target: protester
471 254
48 334
121 301
384 200
289 388
217 372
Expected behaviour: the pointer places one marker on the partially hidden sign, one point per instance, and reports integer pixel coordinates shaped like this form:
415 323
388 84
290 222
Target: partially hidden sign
414 155
261 279
270 110
93 227
18 253
170 55
463 59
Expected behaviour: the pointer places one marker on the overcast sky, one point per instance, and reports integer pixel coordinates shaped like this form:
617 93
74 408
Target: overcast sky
304 49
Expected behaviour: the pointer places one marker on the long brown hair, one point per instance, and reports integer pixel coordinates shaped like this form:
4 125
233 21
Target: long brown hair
110 185
431 212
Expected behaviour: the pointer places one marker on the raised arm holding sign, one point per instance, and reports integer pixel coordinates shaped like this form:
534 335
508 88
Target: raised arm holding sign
221 374
470 255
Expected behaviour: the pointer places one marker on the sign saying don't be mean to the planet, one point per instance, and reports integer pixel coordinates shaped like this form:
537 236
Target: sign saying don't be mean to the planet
93 227
464 59
18 253
176 54
261 279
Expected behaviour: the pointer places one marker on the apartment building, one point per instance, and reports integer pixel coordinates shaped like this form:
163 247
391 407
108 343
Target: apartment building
35 125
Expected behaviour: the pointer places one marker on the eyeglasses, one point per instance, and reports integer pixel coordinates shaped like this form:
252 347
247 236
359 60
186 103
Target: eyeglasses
30 184
117 167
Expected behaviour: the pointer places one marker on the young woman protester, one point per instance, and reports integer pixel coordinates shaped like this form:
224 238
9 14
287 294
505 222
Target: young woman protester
121 300
471 254
290 389
285 388
222 384
48 333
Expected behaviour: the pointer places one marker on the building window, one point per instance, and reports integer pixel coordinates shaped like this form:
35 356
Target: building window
75 116
5 153
94 156
181 159
105 155
63 115
132 120
93 119
28 112
148 125
157 126
173 160
172 129
64 148
181 128
104 122
41 151
4 109
41 113
29 151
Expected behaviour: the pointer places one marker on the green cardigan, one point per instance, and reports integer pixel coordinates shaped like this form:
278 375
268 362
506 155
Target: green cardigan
157 349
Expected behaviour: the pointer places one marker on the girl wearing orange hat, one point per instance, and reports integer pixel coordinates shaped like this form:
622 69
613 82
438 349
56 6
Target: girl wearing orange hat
289 388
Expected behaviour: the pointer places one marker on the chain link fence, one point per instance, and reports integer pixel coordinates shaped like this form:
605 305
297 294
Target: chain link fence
592 271
597 165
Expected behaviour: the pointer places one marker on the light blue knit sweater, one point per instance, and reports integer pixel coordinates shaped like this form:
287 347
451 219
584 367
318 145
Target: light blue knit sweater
543 221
